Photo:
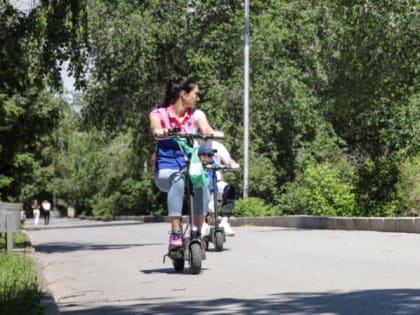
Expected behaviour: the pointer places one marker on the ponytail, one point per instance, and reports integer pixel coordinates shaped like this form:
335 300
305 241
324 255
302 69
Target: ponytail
175 87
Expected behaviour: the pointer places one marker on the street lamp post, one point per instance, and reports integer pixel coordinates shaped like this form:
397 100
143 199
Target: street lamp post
246 99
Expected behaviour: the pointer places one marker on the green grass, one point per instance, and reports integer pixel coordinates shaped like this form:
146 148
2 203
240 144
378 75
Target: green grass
19 241
19 291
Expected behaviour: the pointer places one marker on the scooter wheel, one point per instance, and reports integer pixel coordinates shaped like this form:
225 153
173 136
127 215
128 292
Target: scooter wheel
218 242
179 264
195 258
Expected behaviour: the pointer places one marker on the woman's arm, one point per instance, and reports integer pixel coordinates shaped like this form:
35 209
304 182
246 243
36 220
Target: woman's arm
156 126
205 127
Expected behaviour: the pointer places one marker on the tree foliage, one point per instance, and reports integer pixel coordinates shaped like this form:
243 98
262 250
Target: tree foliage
334 98
33 47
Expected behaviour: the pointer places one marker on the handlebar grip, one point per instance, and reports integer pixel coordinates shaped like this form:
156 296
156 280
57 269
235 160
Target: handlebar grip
221 168
174 131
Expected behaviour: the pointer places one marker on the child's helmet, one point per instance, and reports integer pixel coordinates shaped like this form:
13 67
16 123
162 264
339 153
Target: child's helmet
206 149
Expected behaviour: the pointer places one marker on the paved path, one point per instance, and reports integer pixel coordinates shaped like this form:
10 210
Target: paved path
92 267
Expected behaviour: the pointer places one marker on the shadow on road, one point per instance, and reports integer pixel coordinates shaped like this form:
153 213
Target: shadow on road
60 247
170 270
369 302
80 225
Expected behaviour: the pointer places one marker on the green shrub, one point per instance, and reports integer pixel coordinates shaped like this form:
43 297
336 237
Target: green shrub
409 185
262 179
133 197
104 206
320 190
251 207
376 187
19 240
19 293
295 200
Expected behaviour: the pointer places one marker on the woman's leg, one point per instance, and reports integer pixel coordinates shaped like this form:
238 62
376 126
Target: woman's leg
36 217
201 204
172 182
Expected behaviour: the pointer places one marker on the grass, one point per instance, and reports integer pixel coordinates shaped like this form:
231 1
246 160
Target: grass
19 291
19 241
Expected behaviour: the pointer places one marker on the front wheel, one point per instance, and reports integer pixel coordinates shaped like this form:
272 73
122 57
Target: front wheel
179 264
218 242
195 258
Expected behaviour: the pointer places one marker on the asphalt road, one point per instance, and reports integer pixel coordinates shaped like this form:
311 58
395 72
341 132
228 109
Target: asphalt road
92 267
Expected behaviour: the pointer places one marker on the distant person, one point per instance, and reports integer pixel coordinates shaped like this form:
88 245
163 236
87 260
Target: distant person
46 207
36 209
22 216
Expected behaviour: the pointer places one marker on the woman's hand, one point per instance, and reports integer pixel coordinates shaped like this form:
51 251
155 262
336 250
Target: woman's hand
235 166
218 134
160 132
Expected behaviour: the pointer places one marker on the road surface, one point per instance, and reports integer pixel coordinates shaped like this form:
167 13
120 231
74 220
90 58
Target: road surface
94 267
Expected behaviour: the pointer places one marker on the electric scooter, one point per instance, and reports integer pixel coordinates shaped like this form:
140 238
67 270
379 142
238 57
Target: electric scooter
192 250
217 234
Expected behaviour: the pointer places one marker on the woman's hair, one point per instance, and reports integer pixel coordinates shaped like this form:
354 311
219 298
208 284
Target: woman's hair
175 87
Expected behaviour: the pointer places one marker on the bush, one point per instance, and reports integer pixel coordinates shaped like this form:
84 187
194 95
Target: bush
19 240
251 207
376 187
262 179
320 190
409 185
133 197
19 293
105 206
295 200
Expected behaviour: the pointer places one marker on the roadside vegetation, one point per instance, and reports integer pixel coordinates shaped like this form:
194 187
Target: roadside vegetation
334 102
19 291
334 107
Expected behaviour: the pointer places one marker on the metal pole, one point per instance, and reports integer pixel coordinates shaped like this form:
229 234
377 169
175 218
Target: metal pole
246 100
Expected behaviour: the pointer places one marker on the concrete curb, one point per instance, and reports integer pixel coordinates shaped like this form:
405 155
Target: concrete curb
379 224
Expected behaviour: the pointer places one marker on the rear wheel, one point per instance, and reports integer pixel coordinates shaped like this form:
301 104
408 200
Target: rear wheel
218 242
195 258
179 264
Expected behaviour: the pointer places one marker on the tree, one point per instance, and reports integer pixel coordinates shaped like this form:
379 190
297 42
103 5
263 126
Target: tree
33 48
370 56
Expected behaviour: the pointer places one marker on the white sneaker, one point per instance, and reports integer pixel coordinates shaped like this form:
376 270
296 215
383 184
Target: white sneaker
205 230
228 229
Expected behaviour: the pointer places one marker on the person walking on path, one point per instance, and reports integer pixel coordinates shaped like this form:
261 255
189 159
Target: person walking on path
36 209
46 207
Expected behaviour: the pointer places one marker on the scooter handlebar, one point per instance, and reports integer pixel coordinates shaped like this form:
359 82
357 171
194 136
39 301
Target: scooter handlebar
174 133
223 168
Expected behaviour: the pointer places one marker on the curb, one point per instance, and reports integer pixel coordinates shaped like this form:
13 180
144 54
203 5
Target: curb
377 224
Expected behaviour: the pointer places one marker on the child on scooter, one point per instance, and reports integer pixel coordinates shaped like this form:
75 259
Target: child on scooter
210 155
178 110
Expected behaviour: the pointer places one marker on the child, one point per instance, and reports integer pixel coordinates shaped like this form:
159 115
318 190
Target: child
206 154
213 154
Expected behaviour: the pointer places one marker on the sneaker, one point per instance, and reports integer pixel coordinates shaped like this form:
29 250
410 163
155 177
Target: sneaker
205 230
228 229
175 240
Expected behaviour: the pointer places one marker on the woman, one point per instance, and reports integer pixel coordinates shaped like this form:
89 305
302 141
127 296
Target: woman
36 209
178 111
